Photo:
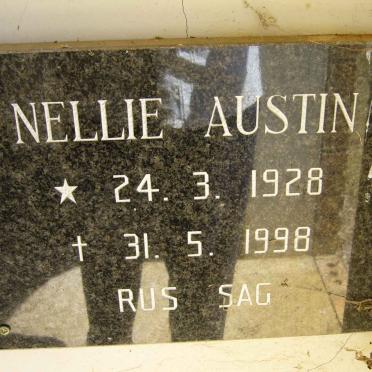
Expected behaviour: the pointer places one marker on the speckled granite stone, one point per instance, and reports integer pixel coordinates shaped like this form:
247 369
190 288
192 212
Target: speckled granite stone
38 231
359 306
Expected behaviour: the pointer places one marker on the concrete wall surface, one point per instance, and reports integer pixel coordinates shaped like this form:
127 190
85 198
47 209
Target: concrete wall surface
51 20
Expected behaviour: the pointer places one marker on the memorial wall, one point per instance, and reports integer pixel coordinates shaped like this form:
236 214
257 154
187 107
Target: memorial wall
204 176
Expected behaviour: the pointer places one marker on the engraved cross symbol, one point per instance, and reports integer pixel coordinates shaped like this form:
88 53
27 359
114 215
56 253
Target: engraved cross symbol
80 246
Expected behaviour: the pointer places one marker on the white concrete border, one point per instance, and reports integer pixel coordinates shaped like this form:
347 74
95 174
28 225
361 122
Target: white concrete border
71 20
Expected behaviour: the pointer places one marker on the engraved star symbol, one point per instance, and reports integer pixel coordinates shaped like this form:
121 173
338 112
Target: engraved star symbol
66 192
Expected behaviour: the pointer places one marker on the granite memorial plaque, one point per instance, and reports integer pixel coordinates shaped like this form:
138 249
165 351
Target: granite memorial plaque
198 191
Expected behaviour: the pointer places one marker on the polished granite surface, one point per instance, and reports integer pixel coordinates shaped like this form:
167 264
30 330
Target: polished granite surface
185 193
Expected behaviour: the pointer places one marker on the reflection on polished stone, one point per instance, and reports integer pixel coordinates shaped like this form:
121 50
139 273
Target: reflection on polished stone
69 324
50 311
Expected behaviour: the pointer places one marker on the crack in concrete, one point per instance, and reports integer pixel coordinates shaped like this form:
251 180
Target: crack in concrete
334 357
186 21
22 14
